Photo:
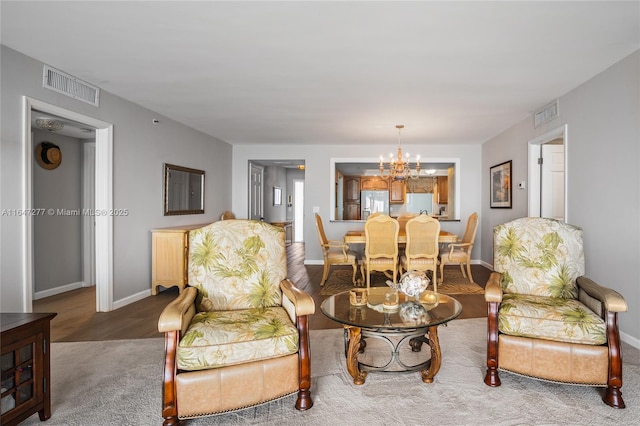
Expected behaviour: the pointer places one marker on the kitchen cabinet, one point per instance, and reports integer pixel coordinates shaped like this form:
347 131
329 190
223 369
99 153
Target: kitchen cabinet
352 211
376 183
169 257
352 189
351 198
26 362
397 192
443 190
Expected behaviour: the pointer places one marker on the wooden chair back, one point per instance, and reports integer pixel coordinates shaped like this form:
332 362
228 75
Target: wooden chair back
381 246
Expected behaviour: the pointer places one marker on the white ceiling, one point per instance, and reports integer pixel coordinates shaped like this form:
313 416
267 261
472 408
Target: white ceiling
330 72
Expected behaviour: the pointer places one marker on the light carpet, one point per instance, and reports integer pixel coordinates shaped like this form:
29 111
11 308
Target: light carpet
119 383
454 282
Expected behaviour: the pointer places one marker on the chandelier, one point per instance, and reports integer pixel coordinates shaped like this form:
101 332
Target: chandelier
399 168
49 124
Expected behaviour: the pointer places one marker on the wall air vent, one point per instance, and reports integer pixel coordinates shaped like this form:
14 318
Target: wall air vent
66 84
547 113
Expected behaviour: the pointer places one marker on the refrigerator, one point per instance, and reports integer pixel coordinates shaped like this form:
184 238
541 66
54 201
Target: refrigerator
372 202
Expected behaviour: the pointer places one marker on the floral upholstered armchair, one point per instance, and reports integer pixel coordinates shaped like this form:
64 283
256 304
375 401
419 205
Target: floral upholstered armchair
545 318
238 335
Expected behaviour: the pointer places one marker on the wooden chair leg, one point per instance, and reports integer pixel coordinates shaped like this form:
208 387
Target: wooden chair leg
491 378
169 396
469 271
325 274
464 274
353 279
304 401
613 395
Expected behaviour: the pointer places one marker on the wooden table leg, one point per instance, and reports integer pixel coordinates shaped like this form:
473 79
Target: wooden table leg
436 357
352 355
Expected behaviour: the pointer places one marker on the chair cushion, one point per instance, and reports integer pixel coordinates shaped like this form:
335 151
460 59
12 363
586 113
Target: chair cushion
217 339
456 256
539 256
422 261
237 264
337 257
550 318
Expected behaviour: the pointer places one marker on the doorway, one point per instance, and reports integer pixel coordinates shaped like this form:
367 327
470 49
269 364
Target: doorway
256 174
298 210
548 175
103 201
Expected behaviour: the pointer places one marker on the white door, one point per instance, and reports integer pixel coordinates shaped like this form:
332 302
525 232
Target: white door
88 221
298 210
255 192
548 175
552 181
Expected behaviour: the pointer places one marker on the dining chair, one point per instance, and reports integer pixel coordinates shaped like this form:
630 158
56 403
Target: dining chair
227 215
335 253
460 253
421 252
381 247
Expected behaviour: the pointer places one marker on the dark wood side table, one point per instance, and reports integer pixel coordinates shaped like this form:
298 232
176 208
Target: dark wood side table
26 373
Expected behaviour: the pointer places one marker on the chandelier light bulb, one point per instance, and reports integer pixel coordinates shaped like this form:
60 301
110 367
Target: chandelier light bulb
400 167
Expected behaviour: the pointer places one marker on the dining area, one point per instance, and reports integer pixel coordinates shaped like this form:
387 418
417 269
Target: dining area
394 245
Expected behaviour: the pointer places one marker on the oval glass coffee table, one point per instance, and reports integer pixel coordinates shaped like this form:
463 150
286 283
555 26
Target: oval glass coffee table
409 325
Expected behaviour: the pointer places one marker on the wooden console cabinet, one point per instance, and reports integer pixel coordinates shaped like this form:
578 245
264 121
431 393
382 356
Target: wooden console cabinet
169 256
26 362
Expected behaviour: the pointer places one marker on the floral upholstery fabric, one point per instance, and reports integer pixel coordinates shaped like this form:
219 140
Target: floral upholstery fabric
217 339
237 264
539 256
540 260
551 318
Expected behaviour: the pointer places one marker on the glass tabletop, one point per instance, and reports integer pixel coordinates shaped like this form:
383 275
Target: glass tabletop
409 314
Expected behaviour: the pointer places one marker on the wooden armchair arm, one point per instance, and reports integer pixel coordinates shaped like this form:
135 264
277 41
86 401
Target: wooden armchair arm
452 246
177 315
493 289
612 300
301 301
339 245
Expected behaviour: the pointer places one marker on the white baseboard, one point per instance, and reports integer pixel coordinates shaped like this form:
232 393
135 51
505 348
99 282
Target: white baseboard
62 289
486 265
313 262
630 340
130 299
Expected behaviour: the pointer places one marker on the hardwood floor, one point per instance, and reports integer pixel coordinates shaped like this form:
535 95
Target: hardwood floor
78 321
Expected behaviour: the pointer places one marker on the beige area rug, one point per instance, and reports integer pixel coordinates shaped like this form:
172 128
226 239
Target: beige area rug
454 283
119 383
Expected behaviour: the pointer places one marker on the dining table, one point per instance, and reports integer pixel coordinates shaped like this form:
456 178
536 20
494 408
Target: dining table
358 237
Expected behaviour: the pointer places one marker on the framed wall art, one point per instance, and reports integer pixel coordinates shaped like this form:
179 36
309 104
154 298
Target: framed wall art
500 179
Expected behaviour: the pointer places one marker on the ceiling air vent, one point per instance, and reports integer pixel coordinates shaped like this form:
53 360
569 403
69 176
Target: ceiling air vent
547 113
66 84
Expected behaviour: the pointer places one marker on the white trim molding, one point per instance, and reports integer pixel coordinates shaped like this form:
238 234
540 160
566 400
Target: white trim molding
104 201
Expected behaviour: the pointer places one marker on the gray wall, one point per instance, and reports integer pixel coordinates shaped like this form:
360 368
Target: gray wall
140 148
57 238
274 176
318 189
603 119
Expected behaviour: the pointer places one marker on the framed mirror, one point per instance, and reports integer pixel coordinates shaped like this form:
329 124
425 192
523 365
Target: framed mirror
357 190
183 190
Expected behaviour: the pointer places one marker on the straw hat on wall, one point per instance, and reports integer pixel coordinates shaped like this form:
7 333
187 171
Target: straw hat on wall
48 155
